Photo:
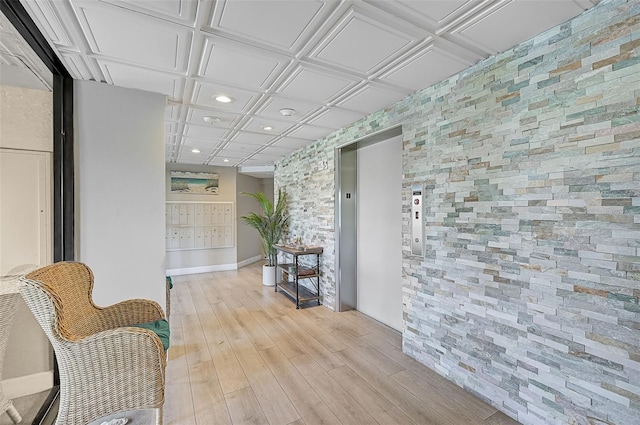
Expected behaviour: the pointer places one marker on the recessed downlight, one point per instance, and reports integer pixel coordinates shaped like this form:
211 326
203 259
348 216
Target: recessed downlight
226 160
222 98
211 119
195 150
267 128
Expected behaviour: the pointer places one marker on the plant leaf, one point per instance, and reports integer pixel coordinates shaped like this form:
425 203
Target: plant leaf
270 223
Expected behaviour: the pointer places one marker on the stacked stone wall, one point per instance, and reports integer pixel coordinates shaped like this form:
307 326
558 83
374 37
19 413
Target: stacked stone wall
527 294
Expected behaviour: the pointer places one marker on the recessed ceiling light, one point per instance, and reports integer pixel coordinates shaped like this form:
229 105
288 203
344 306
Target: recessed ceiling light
211 120
226 160
224 99
195 150
287 112
267 128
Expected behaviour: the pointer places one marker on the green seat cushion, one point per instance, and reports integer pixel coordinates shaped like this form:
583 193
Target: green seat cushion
161 328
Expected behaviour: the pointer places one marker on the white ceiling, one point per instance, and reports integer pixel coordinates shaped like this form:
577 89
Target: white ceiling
332 61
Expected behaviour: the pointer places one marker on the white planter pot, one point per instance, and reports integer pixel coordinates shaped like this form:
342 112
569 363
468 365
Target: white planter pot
268 275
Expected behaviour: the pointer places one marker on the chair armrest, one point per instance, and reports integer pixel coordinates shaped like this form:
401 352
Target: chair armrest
128 313
124 340
126 362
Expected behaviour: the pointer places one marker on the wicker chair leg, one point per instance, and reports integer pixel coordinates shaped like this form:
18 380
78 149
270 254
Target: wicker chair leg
159 416
14 415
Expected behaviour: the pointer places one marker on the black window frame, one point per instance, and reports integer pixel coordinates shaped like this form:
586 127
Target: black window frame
63 164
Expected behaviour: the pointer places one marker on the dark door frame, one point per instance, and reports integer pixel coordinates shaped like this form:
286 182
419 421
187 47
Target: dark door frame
63 192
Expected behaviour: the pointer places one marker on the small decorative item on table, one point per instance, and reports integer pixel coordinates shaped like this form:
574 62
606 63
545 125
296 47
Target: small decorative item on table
297 243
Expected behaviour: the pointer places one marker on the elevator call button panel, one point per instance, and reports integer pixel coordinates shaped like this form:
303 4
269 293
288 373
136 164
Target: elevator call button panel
417 222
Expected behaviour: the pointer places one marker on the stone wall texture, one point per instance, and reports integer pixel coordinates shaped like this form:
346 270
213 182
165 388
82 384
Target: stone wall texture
527 295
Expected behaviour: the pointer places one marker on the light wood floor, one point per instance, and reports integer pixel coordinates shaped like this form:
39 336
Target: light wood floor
242 354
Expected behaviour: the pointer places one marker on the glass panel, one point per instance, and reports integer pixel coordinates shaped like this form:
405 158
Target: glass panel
26 145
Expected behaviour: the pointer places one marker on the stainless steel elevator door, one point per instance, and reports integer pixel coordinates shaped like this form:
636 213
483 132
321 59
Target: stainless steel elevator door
379 231
347 223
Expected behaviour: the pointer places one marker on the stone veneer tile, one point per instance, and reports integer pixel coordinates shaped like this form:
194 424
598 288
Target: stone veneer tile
528 292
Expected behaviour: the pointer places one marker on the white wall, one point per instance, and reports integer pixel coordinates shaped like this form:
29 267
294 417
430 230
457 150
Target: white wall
120 190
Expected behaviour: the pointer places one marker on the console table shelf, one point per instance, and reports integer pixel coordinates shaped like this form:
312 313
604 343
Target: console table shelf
299 293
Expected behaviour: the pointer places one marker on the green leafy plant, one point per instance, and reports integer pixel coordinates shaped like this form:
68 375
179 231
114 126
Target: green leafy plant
270 223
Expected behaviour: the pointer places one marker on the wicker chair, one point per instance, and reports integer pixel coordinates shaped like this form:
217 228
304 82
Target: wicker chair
106 366
9 298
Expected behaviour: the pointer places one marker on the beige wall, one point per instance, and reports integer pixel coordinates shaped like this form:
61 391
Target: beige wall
26 124
267 188
249 244
227 193
26 119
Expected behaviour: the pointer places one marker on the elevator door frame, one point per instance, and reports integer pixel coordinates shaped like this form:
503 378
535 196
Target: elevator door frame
345 246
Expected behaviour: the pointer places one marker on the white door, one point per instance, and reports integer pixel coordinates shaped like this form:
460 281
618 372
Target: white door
379 231
25 209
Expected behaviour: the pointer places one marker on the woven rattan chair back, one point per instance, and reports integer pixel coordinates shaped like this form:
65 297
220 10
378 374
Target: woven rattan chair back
106 366
70 286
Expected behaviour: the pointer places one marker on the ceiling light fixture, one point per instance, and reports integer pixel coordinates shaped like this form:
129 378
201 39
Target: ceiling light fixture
195 150
267 128
224 99
211 120
226 160
287 112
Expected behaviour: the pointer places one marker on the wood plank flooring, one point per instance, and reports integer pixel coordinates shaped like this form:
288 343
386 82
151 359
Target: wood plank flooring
242 354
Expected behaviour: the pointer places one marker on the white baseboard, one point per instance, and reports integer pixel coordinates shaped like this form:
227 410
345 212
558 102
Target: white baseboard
250 261
216 268
201 269
27 385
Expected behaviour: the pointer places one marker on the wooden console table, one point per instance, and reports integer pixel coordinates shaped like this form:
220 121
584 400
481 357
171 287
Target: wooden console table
299 293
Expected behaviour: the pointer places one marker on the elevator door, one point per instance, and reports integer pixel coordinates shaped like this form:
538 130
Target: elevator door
379 231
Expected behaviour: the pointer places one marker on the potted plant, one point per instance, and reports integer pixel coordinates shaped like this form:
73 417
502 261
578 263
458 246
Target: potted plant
270 224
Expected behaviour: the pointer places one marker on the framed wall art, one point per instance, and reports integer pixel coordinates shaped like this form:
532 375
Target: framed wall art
194 182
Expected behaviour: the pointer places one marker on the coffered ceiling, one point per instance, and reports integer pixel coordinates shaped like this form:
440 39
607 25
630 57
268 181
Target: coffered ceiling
332 62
